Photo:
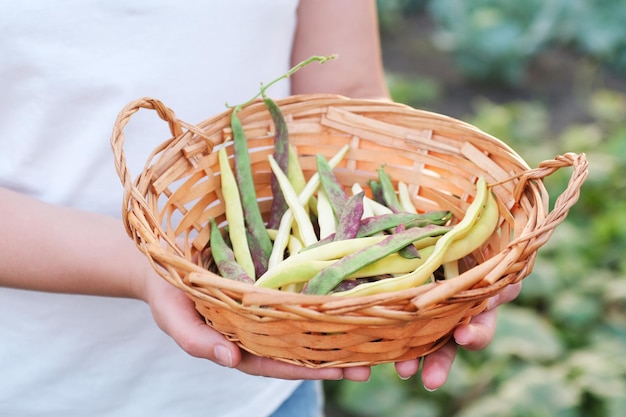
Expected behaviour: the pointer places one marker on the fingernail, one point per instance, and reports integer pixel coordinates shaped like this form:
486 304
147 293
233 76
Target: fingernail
493 302
430 389
464 337
461 341
223 356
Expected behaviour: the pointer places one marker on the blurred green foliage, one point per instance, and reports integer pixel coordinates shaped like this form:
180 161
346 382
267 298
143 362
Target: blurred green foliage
560 346
495 40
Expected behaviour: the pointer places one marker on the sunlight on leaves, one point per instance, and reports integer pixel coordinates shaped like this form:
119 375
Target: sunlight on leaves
597 373
523 333
380 396
607 105
533 391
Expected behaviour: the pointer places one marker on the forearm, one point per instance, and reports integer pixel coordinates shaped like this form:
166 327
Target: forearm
58 249
348 28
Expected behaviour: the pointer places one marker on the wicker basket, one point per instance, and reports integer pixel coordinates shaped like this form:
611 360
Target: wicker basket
167 209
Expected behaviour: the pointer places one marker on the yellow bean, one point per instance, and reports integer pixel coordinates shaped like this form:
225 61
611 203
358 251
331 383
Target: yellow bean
234 214
422 273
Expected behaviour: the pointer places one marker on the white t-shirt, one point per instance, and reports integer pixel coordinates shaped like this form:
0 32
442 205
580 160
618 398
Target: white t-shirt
66 70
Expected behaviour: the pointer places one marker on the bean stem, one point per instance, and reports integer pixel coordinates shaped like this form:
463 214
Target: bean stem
293 70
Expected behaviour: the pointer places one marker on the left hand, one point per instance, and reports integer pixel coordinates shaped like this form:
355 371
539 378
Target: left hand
475 335
176 315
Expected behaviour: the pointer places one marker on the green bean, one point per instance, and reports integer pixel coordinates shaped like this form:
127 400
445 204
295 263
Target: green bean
304 270
281 155
258 256
328 278
379 223
409 251
331 186
247 192
329 251
367 209
424 271
304 197
388 191
370 226
281 240
350 220
377 207
224 257
377 193
300 214
294 244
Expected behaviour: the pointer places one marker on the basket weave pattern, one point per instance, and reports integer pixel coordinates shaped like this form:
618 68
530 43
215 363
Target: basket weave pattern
167 208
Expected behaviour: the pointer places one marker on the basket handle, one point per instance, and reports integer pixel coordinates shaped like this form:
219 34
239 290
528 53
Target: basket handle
560 210
117 145
565 200
117 137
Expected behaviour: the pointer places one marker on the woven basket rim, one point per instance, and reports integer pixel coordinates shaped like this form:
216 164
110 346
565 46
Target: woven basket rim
473 286
176 125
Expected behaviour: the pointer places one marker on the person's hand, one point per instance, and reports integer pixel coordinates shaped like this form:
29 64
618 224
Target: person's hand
176 315
475 335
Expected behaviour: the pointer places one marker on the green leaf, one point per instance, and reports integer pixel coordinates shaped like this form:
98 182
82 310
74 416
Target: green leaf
576 309
596 373
615 407
524 333
534 391
377 397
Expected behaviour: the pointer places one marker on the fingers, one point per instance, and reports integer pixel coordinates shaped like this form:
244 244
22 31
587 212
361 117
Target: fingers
177 316
407 369
473 336
357 373
480 331
509 293
256 365
437 365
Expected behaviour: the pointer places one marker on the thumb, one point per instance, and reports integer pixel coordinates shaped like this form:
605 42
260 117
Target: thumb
175 313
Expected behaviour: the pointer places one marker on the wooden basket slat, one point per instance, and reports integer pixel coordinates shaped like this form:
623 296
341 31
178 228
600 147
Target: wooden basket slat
169 204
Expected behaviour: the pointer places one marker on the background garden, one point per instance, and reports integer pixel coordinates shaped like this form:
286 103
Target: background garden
547 77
